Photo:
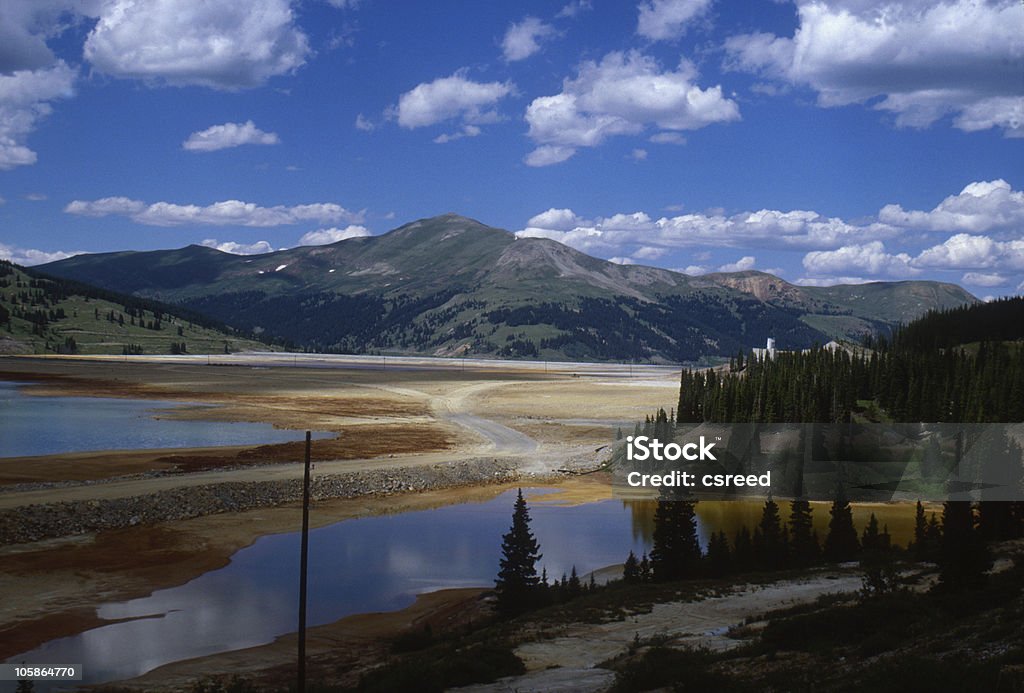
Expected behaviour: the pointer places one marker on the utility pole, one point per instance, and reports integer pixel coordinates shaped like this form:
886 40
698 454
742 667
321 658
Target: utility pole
302 571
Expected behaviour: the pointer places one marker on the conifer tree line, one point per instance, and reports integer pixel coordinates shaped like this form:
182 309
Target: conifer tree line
956 543
776 543
920 374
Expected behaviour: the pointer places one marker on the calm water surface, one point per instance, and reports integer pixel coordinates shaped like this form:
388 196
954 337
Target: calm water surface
370 564
52 425
356 566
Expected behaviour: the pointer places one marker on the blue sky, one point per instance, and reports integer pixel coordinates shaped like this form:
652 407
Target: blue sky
829 141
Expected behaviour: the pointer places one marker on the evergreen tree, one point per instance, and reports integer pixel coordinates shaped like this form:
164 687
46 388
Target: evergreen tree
770 550
803 542
933 539
743 553
841 542
718 558
517 581
963 558
920 533
574 586
871 538
645 568
877 560
676 552
631 569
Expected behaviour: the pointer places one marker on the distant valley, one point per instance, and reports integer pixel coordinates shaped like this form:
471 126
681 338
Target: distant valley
451 286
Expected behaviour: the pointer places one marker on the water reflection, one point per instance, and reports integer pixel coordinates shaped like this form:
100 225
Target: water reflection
376 564
356 566
53 425
731 516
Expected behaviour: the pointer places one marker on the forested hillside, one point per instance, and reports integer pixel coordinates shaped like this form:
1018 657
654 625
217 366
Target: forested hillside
962 365
41 314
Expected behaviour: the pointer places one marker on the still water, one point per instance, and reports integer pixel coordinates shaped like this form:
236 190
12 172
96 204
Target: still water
53 425
356 566
373 564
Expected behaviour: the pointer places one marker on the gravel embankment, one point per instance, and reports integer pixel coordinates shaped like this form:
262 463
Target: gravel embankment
46 521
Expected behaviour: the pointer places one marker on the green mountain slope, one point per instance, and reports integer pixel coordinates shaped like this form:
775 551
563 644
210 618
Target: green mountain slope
41 315
451 285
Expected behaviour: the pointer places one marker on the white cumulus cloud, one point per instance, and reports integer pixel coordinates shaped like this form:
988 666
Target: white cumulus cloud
661 20
548 155
868 258
30 256
257 248
772 229
450 97
981 206
966 251
523 39
622 94
225 213
25 97
984 279
221 44
228 135
333 235
831 281
743 264
105 206
649 253
917 60
559 219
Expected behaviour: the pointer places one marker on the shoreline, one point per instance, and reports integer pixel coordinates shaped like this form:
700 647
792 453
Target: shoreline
486 418
350 641
125 564
27 524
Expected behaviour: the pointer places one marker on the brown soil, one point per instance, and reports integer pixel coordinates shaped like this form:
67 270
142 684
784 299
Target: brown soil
351 444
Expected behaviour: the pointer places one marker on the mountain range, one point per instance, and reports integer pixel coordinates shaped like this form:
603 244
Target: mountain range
450 285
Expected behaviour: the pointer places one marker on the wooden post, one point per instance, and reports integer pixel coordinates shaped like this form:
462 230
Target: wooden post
302 571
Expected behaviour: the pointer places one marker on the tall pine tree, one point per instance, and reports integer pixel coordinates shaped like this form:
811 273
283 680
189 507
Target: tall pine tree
517 582
770 545
963 557
803 542
676 552
841 542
